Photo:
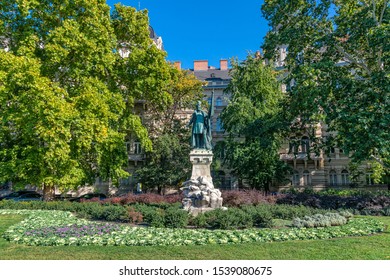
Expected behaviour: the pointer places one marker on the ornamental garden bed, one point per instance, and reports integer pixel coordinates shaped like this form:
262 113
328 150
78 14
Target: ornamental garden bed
55 228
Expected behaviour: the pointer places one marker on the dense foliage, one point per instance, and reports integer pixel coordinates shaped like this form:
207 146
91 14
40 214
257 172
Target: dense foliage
358 202
170 215
336 70
254 122
72 78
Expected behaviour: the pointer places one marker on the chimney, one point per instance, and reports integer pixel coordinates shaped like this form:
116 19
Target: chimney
201 65
223 64
177 65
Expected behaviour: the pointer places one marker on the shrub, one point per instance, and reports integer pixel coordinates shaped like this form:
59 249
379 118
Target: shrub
386 211
318 220
346 214
261 216
238 198
146 198
200 221
175 218
232 218
134 216
366 202
114 213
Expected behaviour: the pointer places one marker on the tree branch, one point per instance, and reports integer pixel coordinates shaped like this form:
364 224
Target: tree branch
380 162
383 11
351 59
374 12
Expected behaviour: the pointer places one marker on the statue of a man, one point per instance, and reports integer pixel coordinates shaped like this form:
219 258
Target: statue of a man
201 126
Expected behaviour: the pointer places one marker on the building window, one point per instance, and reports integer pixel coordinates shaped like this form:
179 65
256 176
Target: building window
333 178
219 125
134 148
306 178
344 177
293 147
209 100
219 102
137 148
296 179
305 144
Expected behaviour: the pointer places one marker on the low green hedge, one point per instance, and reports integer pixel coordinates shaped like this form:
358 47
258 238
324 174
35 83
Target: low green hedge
171 216
46 228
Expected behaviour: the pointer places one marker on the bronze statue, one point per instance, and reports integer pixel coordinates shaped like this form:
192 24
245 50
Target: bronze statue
201 126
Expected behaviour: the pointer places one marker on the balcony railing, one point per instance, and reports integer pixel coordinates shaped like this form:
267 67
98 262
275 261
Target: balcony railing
285 156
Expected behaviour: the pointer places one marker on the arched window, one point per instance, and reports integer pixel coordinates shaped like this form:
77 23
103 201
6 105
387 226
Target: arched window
296 179
209 100
306 178
333 178
218 102
344 177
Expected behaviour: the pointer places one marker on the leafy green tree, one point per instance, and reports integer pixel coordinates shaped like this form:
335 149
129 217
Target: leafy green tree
36 127
141 71
70 52
255 123
168 164
337 69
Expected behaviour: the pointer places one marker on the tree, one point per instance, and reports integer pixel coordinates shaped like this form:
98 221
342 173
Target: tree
70 53
141 71
168 165
36 127
337 70
254 121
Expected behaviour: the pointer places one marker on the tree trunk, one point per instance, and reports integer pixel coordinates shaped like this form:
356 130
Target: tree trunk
48 192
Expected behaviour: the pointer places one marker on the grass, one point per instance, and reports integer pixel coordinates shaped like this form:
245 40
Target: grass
374 247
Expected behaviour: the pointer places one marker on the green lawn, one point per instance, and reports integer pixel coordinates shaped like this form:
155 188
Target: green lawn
354 248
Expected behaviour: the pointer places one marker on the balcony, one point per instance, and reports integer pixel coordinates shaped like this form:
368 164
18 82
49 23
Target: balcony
137 157
303 156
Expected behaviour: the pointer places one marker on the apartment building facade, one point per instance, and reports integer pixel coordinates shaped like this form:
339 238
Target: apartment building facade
310 170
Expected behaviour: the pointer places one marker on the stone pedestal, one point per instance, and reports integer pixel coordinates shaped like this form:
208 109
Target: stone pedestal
199 192
201 161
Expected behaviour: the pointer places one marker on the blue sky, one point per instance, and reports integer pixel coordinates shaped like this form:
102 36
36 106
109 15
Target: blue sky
205 29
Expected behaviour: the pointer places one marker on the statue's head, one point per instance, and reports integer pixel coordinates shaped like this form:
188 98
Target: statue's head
198 105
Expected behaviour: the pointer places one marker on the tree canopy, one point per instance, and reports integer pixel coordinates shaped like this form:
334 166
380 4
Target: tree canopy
70 75
254 121
167 164
337 69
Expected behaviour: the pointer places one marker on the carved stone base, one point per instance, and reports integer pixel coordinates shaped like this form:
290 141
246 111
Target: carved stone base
199 192
201 161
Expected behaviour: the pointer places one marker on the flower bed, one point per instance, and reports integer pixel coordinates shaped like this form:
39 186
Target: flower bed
34 231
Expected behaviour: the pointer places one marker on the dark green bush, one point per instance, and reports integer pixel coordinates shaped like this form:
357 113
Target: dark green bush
114 213
261 216
232 218
200 221
175 218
